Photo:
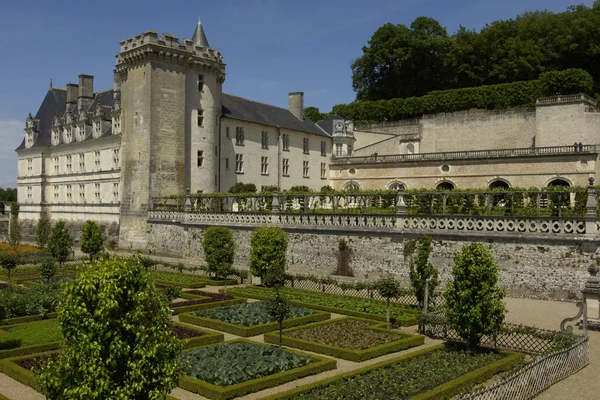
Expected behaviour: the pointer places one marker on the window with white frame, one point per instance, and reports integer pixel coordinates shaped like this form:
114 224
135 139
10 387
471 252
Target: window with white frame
323 148
82 194
69 193
97 192
29 166
285 142
305 169
338 149
239 135
305 145
200 117
56 193
285 167
29 194
200 159
239 163
81 162
265 139
323 170
264 165
97 160
116 158
115 192
55 165
69 164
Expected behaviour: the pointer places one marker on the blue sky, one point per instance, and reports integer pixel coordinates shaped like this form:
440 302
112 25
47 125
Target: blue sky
271 47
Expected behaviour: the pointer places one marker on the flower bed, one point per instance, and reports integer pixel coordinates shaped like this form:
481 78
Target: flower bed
437 372
22 248
358 307
249 319
348 338
232 369
29 338
200 300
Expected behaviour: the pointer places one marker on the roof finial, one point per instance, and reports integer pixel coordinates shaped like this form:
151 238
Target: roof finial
199 37
51 87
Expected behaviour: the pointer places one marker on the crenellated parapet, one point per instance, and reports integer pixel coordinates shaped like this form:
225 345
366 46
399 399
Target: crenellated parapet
150 46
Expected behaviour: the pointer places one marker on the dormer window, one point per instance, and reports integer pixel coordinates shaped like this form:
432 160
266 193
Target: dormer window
200 82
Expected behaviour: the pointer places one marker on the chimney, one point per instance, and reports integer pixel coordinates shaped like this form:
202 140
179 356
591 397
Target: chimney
86 91
72 92
297 104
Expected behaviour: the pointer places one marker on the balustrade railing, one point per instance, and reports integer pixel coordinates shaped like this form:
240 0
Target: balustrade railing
460 155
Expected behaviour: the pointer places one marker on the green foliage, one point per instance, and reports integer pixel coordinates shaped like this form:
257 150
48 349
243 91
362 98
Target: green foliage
405 378
117 338
278 309
269 245
48 270
327 189
14 236
42 233
569 81
421 270
240 187
299 189
227 364
8 262
171 293
176 277
8 195
250 314
314 114
389 288
60 242
474 302
92 241
219 250
30 334
38 300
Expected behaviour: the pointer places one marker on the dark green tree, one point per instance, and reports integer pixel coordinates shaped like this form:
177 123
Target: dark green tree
92 241
314 114
269 245
14 236
474 302
389 288
279 310
240 187
117 341
42 233
48 270
421 270
219 251
8 261
60 242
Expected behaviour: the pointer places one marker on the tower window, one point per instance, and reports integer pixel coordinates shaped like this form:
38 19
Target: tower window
239 135
264 165
97 192
305 169
286 167
323 170
338 149
286 142
305 145
200 158
265 139
200 117
200 82
323 148
82 194
239 163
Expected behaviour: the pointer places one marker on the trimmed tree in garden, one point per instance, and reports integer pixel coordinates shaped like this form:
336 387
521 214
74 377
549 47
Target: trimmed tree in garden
8 261
389 288
279 309
474 302
269 245
421 270
60 242
118 344
14 236
219 251
92 241
48 270
42 233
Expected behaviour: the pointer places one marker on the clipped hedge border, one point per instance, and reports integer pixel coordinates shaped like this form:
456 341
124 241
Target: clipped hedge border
215 392
410 320
18 373
209 337
445 390
197 285
28 318
36 348
205 306
405 341
248 331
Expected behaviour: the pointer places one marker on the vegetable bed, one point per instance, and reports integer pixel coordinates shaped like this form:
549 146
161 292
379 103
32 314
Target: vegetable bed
438 372
29 338
355 306
231 369
348 338
249 319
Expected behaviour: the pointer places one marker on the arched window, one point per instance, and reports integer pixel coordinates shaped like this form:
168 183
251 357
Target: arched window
397 186
351 186
499 184
446 185
410 148
559 182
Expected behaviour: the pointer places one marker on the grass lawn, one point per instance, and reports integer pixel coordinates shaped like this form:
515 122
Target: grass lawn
29 334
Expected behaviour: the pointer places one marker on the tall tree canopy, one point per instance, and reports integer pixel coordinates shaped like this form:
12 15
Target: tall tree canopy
401 61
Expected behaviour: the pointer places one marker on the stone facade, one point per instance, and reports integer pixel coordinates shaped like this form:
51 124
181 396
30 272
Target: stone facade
538 269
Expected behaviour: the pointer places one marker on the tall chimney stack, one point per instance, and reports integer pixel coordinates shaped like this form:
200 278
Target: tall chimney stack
86 91
296 100
72 93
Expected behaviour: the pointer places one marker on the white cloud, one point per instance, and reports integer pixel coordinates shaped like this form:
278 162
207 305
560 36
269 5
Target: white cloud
11 134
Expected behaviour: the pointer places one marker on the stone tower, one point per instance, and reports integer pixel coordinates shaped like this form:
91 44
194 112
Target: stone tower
170 97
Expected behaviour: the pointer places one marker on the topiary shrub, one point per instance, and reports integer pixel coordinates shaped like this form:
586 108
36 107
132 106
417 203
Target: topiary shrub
389 288
474 302
60 242
219 251
92 241
48 270
42 233
269 245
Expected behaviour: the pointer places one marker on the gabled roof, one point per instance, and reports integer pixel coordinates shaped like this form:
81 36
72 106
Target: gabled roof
327 123
235 107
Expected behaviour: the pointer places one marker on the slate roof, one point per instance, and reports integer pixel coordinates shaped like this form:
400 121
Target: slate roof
327 123
54 103
235 107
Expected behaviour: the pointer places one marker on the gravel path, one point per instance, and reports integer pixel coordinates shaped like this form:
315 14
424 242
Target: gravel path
543 314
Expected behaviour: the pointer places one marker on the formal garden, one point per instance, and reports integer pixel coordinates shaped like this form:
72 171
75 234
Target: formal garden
108 326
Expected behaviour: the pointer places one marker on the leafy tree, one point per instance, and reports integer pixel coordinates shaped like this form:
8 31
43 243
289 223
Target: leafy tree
474 302
269 245
279 310
60 242
92 241
389 288
14 236
171 293
48 270
421 270
314 114
219 251
42 233
240 187
8 262
118 344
